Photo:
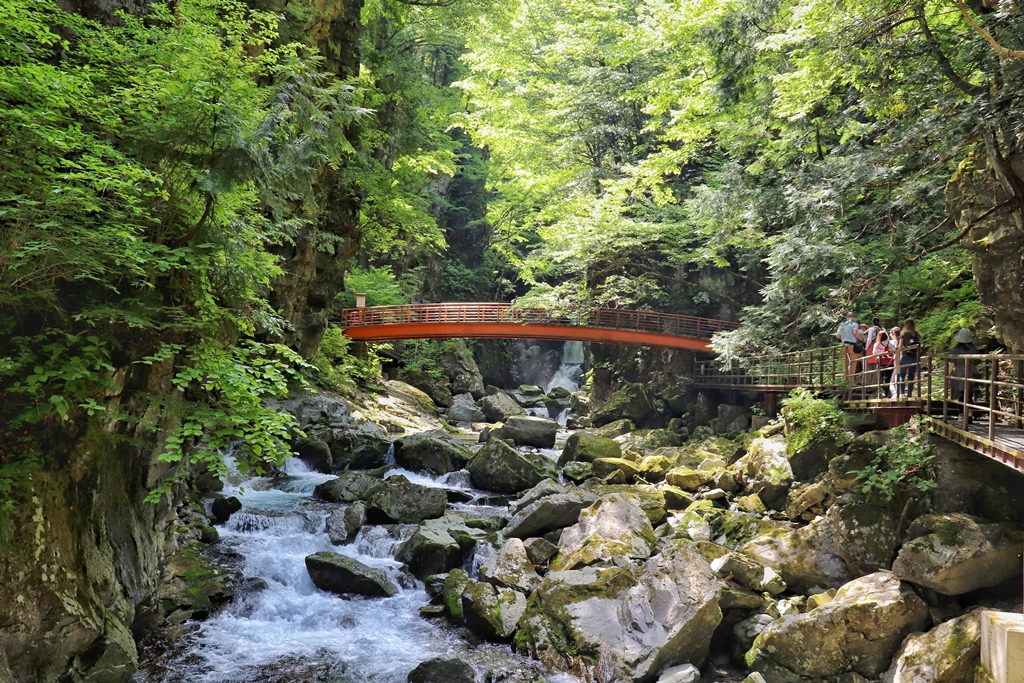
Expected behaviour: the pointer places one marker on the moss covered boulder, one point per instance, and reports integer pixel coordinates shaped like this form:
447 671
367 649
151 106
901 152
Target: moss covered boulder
493 613
433 451
646 441
344 575
549 513
602 467
438 545
348 488
857 632
631 402
587 447
510 567
499 407
805 557
612 529
527 430
949 653
629 622
501 468
400 501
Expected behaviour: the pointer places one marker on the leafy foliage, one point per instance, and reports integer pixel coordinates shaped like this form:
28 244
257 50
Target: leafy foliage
904 465
810 419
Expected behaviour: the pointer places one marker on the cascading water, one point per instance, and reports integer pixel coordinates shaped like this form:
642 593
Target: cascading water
571 369
288 630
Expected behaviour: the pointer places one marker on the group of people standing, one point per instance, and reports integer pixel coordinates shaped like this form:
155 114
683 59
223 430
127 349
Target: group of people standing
891 356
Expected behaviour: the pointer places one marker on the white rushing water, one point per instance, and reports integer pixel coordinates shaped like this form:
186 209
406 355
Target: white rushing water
290 630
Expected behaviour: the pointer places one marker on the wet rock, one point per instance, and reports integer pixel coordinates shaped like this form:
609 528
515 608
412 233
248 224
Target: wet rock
343 524
499 467
539 550
857 632
493 613
806 557
587 447
613 527
949 653
549 513
348 488
316 454
510 567
954 554
578 471
402 502
526 430
451 594
437 546
602 467
433 451
442 670
631 622
340 574
646 441
499 407
464 409
223 507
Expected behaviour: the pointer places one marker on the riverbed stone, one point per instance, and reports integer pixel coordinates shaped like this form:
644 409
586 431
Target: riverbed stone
464 409
684 673
613 429
577 471
348 488
629 622
549 513
954 554
949 653
499 407
340 574
451 594
432 451
528 430
806 557
438 545
548 487
442 670
748 572
864 534
510 567
223 507
646 441
499 467
768 470
805 497
857 632
400 501
613 527
316 454
539 550
343 523
491 612
602 467
586 446
651 499
688 479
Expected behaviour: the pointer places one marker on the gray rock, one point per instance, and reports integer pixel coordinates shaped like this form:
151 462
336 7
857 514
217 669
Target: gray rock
578 472
402 502
646 441
510 567
857 632
806 557
348 488
954 554
354 441
949 653
437 546
539 550
809 462
340 574
587 446
630 402
748 572
493 613
768 470
464 409
552 512
500 407
631 622
746 631
498 467
223 507
526 430
613 527
460 367
547 487
433 451
316 454
805 497
342 524
864 534
442 670
684 673
436 388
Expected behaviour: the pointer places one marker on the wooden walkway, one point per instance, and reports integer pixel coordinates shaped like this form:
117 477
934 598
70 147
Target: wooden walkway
505 321
990 387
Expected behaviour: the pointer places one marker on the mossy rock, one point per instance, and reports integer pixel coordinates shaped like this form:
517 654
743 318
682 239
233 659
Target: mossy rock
604 466
586 446
578 471
646 441
652 501
614 429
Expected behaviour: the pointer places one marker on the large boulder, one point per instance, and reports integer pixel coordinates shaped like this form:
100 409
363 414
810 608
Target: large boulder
613 429
442 670
499 407
434 387
340 574
433 451
549 513
768 470
949 653
402 502
630 402
954 554
343 523
604 467
501 468
437 546
464 409
510 567
805 557
458 365
651 498
612 528
348 488
629 622
646 441
748 572
587 446
858 631
315 453
493 613
527 430
864 534
354 441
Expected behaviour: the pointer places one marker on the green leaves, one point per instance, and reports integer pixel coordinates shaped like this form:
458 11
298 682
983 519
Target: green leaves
902 466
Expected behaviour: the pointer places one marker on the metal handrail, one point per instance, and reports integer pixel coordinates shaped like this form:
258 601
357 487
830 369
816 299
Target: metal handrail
609 318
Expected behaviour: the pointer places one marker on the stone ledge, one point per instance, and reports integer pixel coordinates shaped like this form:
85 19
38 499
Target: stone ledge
1002 645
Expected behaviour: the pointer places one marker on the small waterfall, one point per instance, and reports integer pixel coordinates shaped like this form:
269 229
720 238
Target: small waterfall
571 370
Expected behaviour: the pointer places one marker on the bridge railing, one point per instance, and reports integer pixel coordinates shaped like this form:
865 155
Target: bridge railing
818 369
613 318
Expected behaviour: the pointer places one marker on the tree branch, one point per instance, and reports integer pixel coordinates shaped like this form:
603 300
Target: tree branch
1006 52
940 57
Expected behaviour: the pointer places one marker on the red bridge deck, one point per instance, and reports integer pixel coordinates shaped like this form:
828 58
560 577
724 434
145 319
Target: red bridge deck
504 321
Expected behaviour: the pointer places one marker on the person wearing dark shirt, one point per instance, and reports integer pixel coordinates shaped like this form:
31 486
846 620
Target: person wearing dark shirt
961 391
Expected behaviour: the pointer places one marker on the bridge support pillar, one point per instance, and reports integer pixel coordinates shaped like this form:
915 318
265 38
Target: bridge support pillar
771 404
1002 645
